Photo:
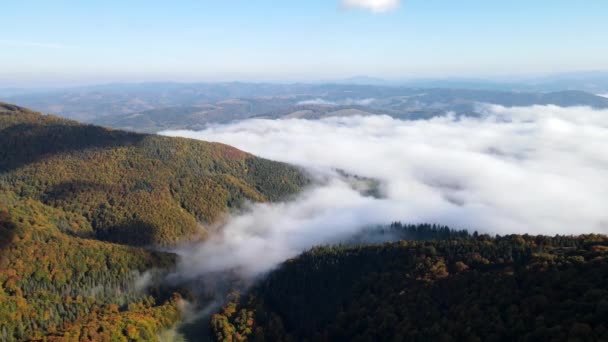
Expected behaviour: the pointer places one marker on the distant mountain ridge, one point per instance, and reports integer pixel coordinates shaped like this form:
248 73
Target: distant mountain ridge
163 106
158 103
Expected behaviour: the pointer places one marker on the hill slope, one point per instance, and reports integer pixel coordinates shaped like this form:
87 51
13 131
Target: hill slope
79 202
50 278
455 289
133 188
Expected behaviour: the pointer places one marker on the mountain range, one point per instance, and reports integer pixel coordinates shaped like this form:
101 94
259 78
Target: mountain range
154 107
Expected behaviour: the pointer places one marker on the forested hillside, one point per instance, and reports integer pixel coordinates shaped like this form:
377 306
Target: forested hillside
78 204
133 188
447 287
51 280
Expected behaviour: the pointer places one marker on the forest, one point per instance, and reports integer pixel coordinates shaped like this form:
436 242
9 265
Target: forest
133 188
51 280
80 208
439 285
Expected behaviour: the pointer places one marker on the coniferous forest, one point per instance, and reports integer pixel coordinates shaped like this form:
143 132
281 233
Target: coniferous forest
441 286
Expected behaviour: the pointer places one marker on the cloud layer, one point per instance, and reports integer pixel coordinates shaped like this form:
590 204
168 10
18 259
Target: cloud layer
376 6
538 170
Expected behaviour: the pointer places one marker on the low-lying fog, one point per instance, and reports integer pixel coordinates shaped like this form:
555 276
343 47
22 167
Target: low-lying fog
537 170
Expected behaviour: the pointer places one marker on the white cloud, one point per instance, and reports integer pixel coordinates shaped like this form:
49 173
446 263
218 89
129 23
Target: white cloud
603 95
376 6
537 170
317 101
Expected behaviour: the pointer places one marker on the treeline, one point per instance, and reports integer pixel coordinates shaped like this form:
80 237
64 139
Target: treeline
398 231
458 288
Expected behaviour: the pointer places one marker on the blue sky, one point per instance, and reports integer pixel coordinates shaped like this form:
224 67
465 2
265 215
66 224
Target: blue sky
209 40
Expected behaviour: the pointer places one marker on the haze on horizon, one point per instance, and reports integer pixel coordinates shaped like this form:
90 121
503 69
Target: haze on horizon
71 42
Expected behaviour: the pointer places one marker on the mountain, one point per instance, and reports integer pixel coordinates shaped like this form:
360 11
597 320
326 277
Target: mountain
80 204
438 285
362 80
153 107
93 102
155 120
134 188
198 117
589 81
192 117
427 103
321 101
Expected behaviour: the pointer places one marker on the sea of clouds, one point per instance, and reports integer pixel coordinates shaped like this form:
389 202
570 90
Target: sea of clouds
537 170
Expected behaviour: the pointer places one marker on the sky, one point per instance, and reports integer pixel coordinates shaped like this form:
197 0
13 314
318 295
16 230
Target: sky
292 40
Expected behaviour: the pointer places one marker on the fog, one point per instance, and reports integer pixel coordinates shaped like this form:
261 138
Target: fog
537 170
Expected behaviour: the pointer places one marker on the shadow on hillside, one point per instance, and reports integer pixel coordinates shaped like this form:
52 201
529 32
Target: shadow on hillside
66 191
26 143
7 231
129 230
133 233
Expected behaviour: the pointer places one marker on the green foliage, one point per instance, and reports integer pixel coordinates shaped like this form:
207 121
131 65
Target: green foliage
459 288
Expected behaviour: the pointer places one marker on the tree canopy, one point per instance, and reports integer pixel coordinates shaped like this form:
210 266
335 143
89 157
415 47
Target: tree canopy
446 287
